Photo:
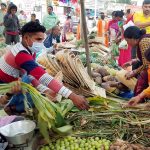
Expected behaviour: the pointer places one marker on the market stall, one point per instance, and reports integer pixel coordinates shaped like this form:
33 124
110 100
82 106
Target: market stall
109 124
63 126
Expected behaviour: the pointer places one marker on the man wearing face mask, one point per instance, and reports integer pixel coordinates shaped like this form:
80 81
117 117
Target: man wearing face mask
142 19
22 57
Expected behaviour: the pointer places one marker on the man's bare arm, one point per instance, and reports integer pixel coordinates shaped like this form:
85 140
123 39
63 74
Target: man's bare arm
142 25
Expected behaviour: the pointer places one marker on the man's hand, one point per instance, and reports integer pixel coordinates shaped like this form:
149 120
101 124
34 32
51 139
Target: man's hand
134 101
49 31
130 75
3 100
16 88
10 16
79 101
55 46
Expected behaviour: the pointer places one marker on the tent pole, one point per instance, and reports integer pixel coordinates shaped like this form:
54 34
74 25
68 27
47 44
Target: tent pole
84 28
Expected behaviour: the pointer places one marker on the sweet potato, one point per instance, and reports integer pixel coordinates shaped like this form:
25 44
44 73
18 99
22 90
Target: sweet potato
102 71
98 80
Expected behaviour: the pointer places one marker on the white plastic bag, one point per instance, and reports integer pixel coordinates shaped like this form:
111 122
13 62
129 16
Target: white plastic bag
129 24
123 44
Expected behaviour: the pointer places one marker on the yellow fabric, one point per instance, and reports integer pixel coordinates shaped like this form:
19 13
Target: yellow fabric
147 91
139 17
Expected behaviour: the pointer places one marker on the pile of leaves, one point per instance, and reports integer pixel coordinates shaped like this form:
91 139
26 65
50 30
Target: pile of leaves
107 119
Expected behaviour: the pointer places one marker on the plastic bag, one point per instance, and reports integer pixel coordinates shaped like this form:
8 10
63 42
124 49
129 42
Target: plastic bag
123 44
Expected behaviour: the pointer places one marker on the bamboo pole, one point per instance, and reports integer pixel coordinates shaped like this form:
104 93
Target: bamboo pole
84 28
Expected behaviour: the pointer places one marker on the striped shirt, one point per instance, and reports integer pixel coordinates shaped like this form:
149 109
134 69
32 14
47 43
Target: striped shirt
18 60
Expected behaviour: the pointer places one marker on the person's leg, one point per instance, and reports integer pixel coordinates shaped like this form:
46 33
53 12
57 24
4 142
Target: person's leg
16 39
8 39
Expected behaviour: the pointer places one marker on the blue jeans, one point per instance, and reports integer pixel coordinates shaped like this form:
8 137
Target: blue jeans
18 100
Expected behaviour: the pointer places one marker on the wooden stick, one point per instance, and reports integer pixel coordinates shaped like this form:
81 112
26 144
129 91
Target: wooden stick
84 27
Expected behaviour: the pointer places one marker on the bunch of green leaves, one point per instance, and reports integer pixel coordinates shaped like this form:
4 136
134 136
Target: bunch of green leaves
50 115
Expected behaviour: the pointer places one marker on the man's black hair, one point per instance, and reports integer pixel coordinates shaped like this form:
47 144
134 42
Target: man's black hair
147 54
21 11
33 15
146 2
119 14
113 13
32 27
51 7
128 11
3 4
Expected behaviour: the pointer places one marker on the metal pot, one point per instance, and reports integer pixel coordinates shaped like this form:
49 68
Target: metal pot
18 133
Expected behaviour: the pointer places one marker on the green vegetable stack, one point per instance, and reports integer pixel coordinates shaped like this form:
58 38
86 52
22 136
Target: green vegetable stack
50 116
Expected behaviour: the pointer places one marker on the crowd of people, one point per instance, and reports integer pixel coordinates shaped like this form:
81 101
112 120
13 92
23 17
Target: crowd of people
20 62
135 30
11 23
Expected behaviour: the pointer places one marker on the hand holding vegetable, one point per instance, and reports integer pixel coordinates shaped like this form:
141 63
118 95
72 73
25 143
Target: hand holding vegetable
134 101
130 75
16 88
127 65
79 101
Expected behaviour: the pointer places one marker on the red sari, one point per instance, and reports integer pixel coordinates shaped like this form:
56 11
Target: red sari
125 54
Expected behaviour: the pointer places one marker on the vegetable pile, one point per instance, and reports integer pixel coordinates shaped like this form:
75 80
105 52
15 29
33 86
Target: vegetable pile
50 115
122 145
108 119
77 143
113 81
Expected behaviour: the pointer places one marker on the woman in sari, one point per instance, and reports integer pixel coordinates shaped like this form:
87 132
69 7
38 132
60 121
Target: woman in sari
136 37
145 80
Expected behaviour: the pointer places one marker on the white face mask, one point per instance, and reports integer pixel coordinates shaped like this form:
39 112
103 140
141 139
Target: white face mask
37 47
